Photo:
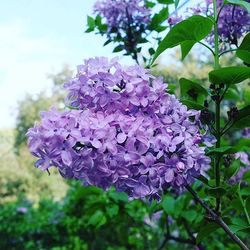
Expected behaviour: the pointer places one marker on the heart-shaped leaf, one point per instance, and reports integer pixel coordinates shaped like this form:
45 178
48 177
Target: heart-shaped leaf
229 75
192 29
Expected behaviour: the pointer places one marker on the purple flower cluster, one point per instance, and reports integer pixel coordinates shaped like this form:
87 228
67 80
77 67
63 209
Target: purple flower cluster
246 133
125 130
22 210
233 22
119 13
244 158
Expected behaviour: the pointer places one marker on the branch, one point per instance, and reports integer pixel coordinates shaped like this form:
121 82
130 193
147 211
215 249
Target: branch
226 51
217 219
177 239
207 47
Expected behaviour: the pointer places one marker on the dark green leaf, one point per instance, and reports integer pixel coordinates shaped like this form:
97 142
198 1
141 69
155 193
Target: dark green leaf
107 42
232 169
206 230
203 179
192 105
97 219
216 192
118 48
247 204
242 119
165 1
246 176
168 205
223 150
149 4
113 211
185 48
151 51
190 89
193 29
229 75
241 3
243 52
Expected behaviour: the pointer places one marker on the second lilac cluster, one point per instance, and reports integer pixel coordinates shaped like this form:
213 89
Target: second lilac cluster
233 22
125 130
121 13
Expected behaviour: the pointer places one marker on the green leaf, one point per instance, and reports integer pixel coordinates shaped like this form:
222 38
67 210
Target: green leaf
203 179
223 150
119 196
107 42
243 52
151 51
246 177
245 191
188 86
232 169
206 230
216 192
192 29
189 215
91 23
192 105
113 211
232 94
185 48
171 88
247 204
97 219
165 1
118 48
237 228
229 75
149 4
158 18
241 3
168 205
242 119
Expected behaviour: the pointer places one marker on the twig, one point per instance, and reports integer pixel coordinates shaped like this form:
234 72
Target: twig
177 239
217 219
207 47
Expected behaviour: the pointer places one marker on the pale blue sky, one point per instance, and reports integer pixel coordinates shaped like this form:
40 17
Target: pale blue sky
37 37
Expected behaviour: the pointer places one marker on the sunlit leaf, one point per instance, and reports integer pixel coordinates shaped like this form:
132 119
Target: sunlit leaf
192 29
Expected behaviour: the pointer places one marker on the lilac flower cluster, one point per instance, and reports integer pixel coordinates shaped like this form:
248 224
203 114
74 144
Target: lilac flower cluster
233 21
121 13
125 130
244 158
246 133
